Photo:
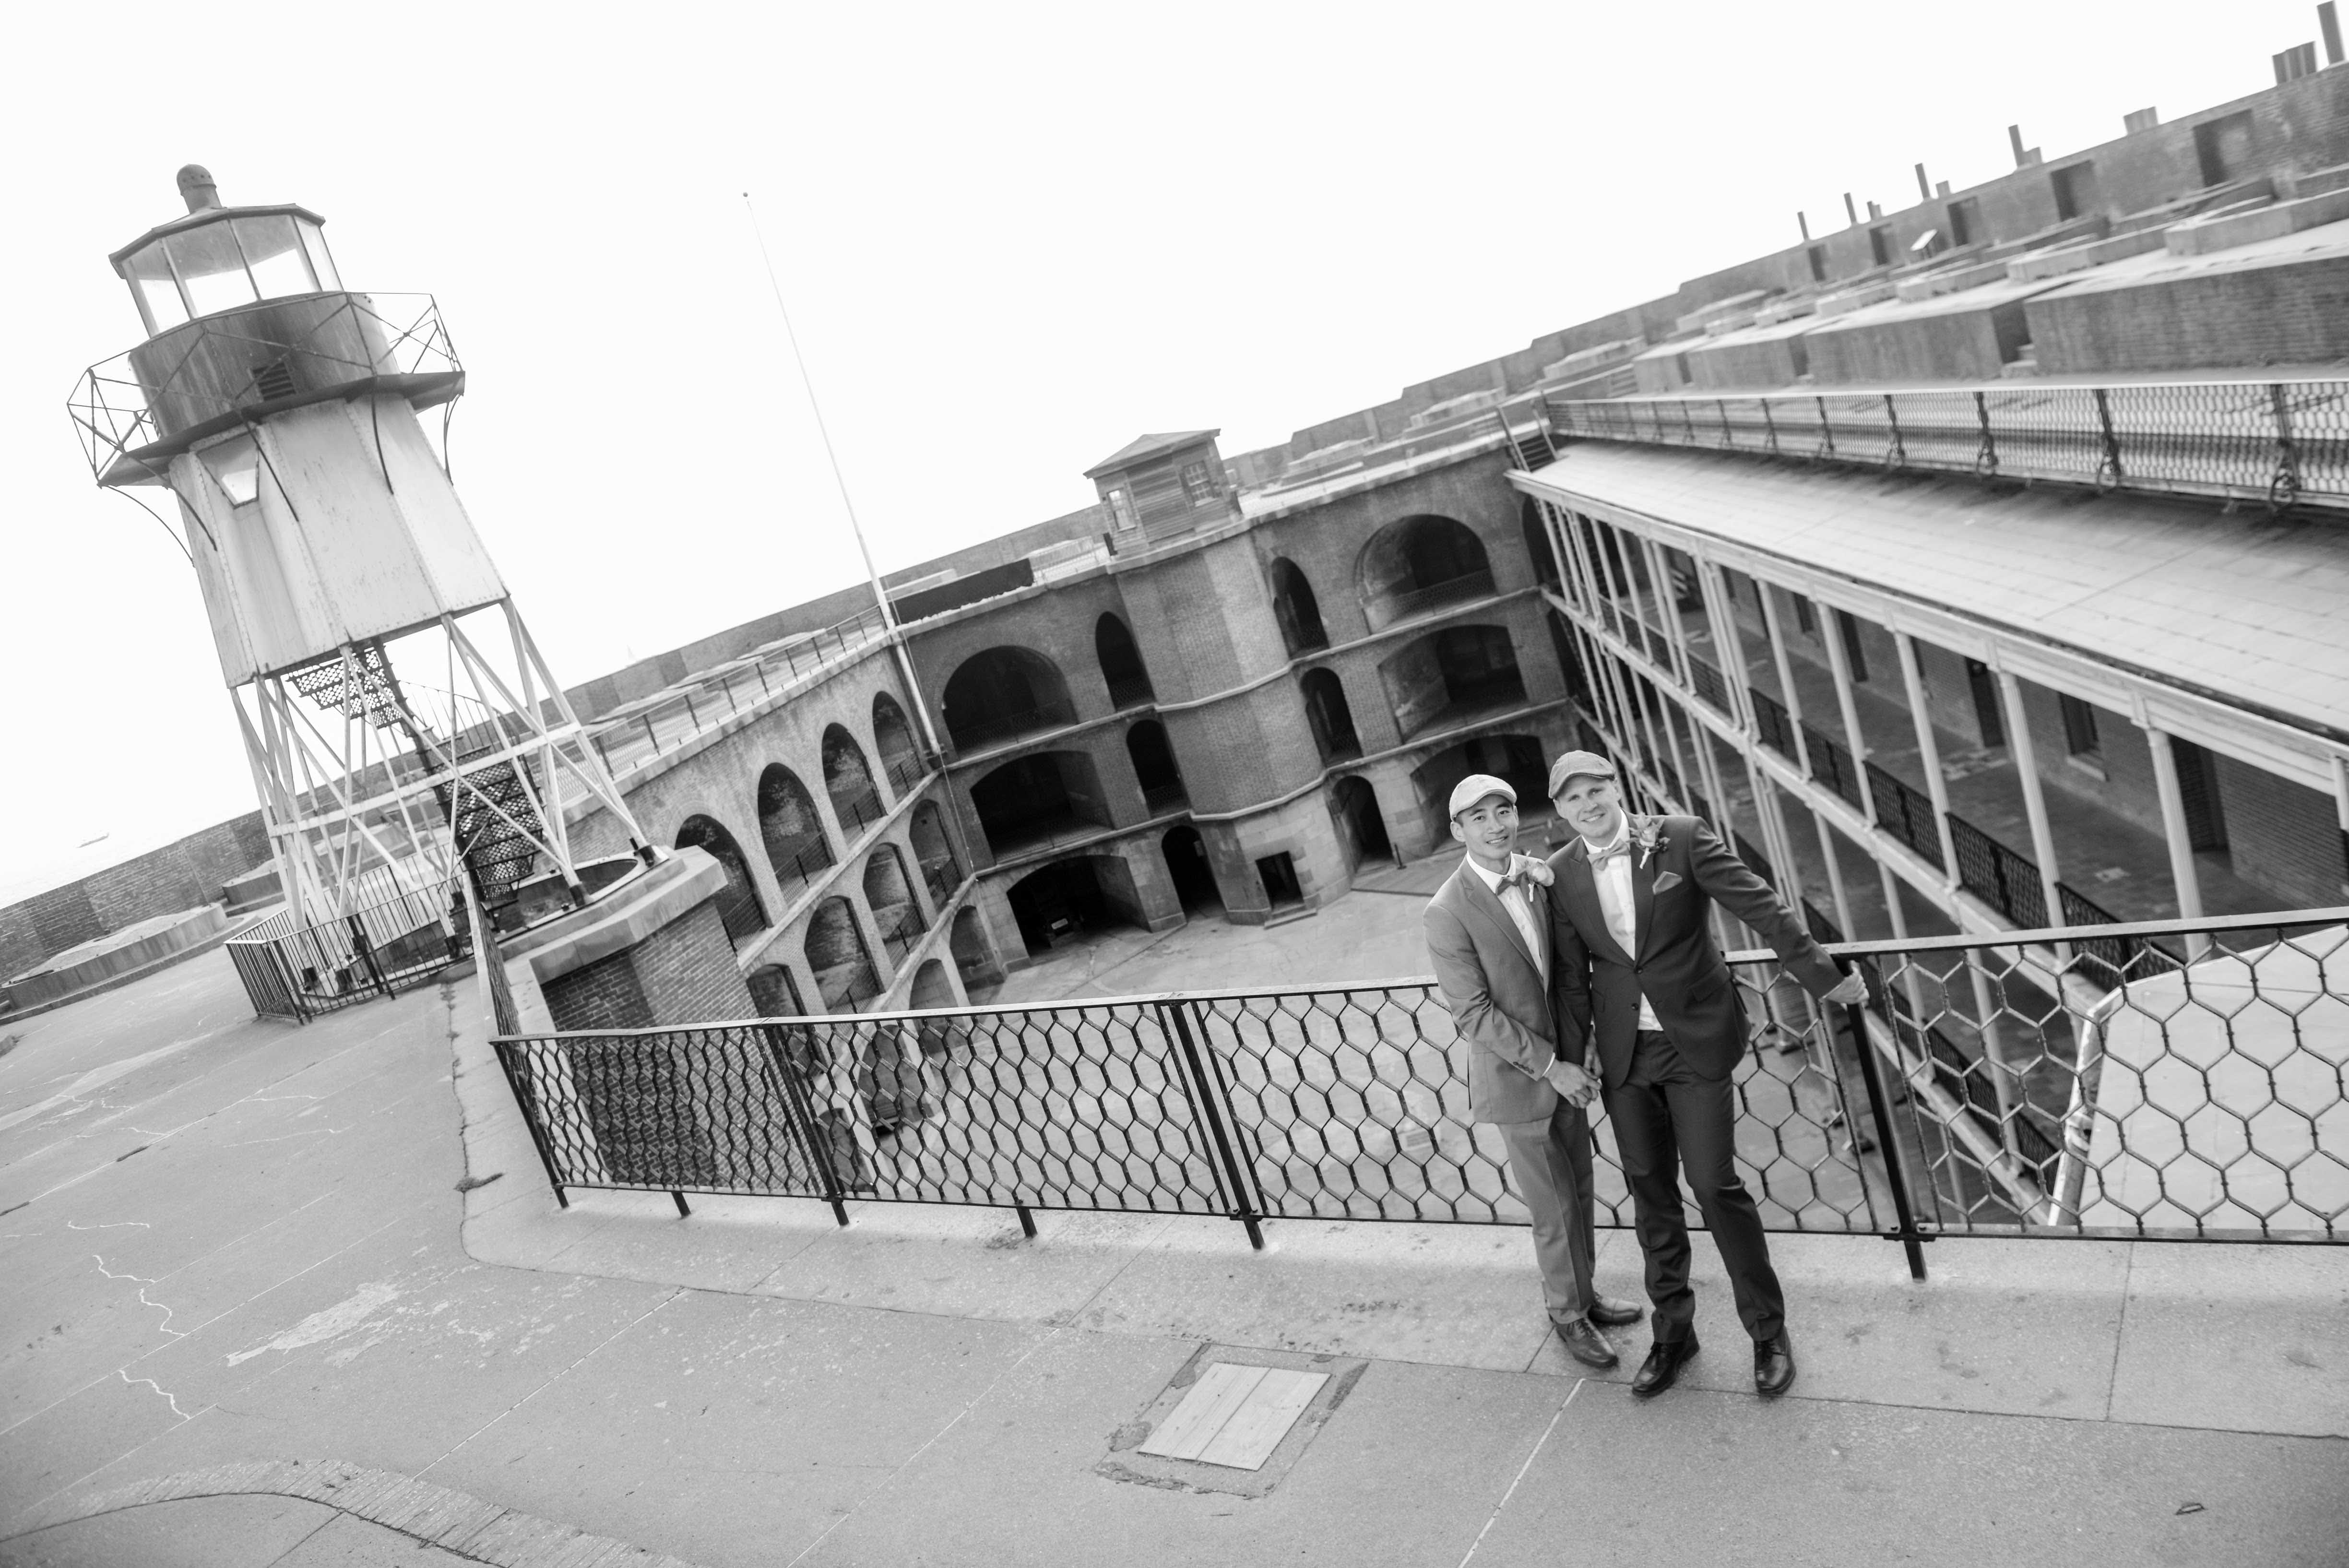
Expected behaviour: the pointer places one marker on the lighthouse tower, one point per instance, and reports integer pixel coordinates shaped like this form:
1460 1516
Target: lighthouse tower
406 736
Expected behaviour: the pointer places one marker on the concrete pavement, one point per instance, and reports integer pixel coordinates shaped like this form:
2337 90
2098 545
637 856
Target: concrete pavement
232 1244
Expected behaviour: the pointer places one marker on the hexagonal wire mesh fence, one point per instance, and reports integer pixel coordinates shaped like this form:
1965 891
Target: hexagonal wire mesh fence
2166 1080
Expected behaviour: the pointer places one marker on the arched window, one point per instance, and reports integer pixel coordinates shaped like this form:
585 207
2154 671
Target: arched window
1418 564
1035 799
1354 813
974 955
836 956
1187 864
1120 663
1332 721
774 992
1002 693
933 851
797 845
897 913
849 783
901 759
1545 559
1154 769
1295 608
737 905
1449 677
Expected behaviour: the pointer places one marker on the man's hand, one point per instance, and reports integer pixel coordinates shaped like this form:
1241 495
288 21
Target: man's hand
1851 990
1575 1087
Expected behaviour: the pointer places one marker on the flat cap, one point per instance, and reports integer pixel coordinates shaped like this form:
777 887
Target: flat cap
1575 765
1476 787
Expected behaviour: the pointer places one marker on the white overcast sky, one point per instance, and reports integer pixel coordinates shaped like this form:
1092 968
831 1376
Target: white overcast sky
1013 236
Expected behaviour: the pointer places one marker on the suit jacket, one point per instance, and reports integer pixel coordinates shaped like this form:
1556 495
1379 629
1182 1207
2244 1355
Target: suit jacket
1678 968
1500 1004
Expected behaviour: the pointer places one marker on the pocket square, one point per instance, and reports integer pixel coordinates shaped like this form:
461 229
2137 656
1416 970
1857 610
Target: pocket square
1667 879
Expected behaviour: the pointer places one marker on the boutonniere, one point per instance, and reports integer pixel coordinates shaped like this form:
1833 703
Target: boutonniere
1650 836
1528 868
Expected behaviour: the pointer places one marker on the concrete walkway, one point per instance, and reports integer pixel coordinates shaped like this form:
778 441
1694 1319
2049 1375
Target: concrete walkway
229 1245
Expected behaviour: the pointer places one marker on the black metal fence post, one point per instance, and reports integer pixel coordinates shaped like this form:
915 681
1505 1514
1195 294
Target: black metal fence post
532 1114
1879 1103
803 1123
1209 1100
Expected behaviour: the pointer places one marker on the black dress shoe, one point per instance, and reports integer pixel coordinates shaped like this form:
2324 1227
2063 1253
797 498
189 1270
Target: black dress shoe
1614 1311
1662 1367
1773 1365
1584 1342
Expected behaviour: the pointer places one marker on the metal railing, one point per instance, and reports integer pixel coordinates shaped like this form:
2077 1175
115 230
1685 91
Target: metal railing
1710 684
1774 725
2279 441
1131 692
858 808
1831 763
1161 798
1906 814
672 720
1384 609
298 972
1996 874
2003 1087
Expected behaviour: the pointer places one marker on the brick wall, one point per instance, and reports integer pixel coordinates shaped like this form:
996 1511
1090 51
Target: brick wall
2281 835
604 994
180 875
2284 312
1953 344
682 973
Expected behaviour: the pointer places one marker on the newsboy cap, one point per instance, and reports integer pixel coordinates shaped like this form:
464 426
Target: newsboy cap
1476 787
1575 765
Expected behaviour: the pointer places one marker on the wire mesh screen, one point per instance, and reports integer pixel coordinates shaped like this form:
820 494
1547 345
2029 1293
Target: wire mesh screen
2175 1079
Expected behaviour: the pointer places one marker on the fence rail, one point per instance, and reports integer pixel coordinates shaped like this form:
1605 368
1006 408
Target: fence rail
2007 1087
2282 442
297 971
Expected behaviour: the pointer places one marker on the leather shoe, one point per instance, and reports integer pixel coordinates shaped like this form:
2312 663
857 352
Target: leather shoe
1773 1365
1614 1311
1662 1367
1585 1343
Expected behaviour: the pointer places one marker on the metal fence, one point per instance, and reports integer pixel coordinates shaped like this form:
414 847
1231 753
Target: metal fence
2005 1087
2283 441
297 971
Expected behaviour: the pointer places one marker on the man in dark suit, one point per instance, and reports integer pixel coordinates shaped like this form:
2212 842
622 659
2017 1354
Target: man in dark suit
1637 971
1488 934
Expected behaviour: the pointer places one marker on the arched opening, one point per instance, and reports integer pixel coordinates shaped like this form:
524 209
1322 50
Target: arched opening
1120 663
901 759
1296 610
836 956
1516 758
797 845
1419 564
1449 677
849 783
933 989
896 914
1331 720
1193 875
1061 903
1003 692
737 904
1036 799
1154 766
1545 559
1354 813
934 853
974 955
775 991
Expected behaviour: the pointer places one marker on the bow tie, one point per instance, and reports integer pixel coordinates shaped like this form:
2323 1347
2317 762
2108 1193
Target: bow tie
1600 856
1520 877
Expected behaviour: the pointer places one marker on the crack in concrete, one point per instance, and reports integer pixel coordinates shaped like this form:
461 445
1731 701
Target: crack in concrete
172 1400
143 1282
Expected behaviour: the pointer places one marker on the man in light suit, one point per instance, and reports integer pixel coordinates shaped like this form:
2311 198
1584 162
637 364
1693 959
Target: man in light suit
1487 933
1637 967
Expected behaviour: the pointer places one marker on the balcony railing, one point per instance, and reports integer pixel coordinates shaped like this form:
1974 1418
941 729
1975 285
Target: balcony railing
293 970
1162 798
1131 692
859 809
799 861
1710 686
2282 442
2004 880
941 875
1988 1087
901 931
1906 813
1831 765
1385 609
1775 725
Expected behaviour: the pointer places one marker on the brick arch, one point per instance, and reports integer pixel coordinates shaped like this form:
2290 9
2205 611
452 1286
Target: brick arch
849 782
775 991
737 905
1154 768
790 828
889 895
1294 608
1029 799
1329 714
838 958
1449 676
893 744
1417 563
1121 662
1002 691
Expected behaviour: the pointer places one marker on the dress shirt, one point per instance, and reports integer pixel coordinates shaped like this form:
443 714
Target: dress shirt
1616 902
1519 901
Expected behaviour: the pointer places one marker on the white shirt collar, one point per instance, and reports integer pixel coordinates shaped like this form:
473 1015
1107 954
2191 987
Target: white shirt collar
1492 878
1623 833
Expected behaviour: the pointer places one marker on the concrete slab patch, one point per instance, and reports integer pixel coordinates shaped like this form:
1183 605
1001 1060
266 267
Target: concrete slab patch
1232 1420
